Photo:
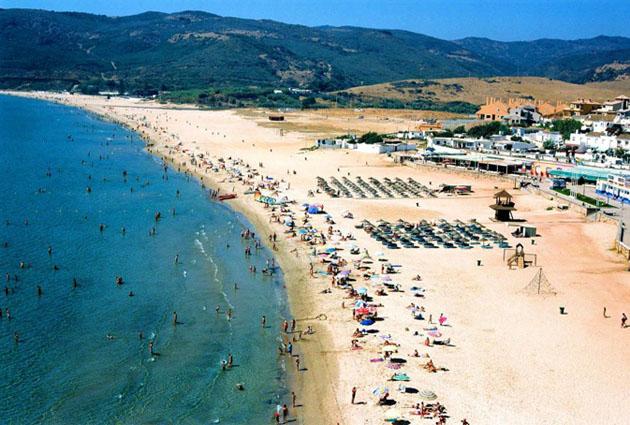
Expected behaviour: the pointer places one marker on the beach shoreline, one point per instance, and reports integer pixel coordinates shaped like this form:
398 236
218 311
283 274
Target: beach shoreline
313 395
500 335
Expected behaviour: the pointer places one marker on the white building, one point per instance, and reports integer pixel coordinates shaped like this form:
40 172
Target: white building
617 187
540 137
460 143
386 147
408 135
597 141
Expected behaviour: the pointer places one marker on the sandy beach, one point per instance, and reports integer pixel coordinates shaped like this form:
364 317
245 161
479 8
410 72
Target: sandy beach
512 358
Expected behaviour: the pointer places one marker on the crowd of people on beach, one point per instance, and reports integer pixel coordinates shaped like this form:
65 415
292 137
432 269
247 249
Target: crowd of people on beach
360 280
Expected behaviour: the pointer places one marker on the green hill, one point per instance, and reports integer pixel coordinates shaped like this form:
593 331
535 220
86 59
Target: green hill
193 50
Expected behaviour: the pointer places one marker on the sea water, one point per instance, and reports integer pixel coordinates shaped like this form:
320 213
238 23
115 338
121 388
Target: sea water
65 369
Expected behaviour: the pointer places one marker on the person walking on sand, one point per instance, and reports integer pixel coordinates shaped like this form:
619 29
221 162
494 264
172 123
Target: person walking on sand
285 413
285 326
624 319
293 398
354 394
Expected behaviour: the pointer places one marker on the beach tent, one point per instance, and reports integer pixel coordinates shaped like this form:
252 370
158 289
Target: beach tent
315 208
427 395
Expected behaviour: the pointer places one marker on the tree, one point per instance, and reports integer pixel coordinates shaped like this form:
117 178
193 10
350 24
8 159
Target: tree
566 127
370 138
460 130
487 130
308 102
549 145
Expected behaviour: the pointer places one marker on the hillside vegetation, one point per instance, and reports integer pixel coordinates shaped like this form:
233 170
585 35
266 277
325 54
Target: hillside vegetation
151 52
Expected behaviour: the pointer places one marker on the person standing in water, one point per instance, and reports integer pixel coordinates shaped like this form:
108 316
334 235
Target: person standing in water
175 318
263 321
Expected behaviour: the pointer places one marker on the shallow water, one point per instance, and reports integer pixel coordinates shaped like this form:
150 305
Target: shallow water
65 369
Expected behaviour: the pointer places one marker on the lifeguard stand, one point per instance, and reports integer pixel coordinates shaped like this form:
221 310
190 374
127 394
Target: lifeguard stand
503 206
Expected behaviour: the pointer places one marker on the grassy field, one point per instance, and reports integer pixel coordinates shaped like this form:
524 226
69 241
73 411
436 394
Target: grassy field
475 90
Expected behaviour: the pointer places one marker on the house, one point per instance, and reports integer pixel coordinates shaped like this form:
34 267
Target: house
548 110
523 115
580 107
540 137
407 135
597 122
620 103
330 143
426 127
600 142
494 109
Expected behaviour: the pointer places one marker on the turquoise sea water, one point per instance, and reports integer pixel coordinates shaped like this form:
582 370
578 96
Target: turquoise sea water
64 369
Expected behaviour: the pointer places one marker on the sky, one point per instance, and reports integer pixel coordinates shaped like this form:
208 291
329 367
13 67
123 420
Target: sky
505 20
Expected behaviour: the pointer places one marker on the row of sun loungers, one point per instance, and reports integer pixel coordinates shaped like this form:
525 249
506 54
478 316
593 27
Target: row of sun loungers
373 188
434 235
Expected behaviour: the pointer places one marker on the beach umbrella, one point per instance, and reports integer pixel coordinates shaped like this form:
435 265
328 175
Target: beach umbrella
360 304
427 395
331 249
362 310
367 322
302 231
379 391
344 273
392 415
434 334
386 278
362 291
